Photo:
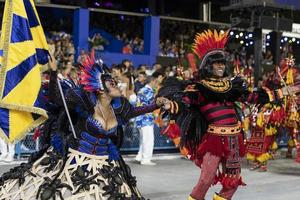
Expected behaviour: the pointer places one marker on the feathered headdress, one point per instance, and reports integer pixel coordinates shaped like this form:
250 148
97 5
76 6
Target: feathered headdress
91 75
210 43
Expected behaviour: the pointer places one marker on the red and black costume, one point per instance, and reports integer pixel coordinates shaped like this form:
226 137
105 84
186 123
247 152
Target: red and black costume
207 119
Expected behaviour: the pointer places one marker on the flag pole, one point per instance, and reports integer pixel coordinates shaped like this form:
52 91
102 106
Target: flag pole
64 101
66 108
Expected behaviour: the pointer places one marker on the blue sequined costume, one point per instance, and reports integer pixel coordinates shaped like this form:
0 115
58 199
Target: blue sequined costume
88 166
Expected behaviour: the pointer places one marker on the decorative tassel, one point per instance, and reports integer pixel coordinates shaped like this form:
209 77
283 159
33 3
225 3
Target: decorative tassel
250 157
191 198
183 150
172 130
263 157
269 131
246 124
260 119
290 77
229 181
291 143
274 146
217 197
37 133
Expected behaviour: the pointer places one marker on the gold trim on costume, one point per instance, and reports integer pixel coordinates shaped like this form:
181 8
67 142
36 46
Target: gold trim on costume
191 198
222 86
224 130
218 197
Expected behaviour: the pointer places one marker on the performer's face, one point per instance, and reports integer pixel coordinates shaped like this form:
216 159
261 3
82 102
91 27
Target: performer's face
112 88
218 69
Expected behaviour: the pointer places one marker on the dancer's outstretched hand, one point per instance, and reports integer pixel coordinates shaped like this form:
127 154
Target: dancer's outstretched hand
167 104
163 102
160 101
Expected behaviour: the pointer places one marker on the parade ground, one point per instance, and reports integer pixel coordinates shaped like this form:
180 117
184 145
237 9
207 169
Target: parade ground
173 178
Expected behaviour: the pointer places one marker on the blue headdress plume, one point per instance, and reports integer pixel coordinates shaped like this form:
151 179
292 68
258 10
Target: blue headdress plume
91 74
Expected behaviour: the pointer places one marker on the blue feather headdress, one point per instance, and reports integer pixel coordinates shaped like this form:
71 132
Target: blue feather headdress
92 73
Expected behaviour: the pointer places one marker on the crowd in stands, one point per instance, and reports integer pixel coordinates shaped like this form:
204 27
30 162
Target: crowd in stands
176 37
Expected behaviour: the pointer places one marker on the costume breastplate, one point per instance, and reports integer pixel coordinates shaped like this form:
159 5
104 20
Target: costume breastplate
95 140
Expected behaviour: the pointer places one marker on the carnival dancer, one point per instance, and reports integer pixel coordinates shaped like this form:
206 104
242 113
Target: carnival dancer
289 72
266 117
204 113
89 165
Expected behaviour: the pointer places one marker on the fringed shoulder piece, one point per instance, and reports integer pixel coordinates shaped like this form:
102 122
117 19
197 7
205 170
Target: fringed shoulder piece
223 89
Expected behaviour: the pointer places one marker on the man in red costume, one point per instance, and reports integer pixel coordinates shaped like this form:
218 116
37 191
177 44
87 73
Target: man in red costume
206 118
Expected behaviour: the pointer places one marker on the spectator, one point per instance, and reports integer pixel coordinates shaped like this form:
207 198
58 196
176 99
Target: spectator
268 58
7 151
142 68
118 71
51 45
128 64
140 82
66 69
155 67
145 123
127 49
98 42
123 78
74 75
71 58
82 56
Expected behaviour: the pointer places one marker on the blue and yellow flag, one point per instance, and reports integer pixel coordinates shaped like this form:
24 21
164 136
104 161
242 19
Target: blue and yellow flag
23 49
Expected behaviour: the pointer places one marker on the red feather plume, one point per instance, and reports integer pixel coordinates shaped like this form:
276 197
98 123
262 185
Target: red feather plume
208 41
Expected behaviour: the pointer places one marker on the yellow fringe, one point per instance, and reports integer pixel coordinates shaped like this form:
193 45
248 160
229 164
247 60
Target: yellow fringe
263 157
30 109
6 42
191 198
290 77
291 143
274 146
260 119
217 197
32 126
250 157
270 131
246 124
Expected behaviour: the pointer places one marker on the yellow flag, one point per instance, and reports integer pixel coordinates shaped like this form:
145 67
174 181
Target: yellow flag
23 49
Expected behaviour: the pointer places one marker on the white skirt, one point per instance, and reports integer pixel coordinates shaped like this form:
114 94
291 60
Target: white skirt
83 177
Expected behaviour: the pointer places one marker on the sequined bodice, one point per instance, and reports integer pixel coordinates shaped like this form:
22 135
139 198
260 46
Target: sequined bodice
94 139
